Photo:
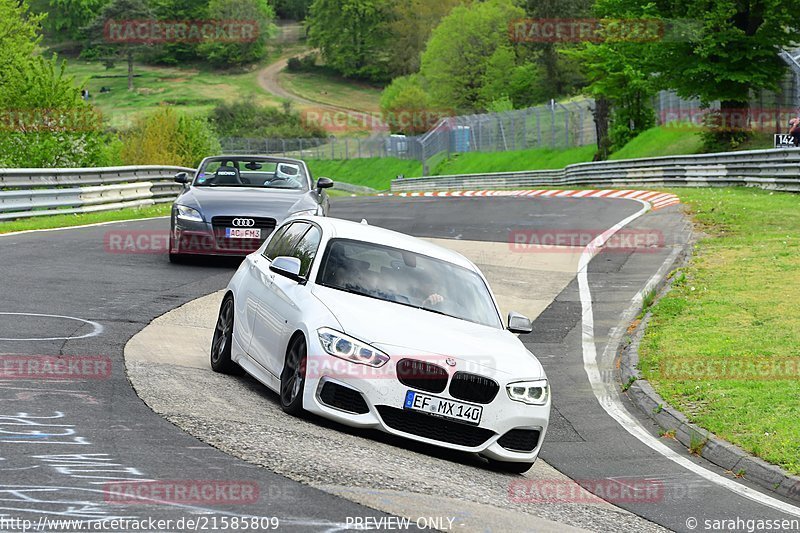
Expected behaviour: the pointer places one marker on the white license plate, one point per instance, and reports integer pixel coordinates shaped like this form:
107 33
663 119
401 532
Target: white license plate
443 407
243 233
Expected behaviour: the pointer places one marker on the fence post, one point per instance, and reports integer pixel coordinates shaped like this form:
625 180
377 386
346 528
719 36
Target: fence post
552 124
283 141
359 147
346 148
333 145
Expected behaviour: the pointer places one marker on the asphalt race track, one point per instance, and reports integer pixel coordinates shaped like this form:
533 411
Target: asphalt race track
62 442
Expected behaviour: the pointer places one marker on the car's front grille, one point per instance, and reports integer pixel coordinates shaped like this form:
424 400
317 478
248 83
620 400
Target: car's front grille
266 225
434 428
520 440
343 398
258 222
422 375
473 388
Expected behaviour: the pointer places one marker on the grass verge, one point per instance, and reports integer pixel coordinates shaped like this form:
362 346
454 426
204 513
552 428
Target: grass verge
533 159
373 172
62 221
733 311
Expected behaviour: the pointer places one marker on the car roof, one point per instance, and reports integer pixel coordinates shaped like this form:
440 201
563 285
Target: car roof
345 229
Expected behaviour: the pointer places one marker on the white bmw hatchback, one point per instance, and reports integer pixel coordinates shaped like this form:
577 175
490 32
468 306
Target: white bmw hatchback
376 329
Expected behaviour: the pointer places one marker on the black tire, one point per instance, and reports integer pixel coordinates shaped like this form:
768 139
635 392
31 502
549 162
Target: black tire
511 468
293 377
223 339
176 258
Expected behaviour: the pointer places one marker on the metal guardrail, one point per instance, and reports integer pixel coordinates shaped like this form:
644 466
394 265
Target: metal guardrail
32 192
768 169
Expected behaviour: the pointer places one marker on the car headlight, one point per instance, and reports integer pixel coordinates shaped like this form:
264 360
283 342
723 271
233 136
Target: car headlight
187 213
306 212
345 347
530 392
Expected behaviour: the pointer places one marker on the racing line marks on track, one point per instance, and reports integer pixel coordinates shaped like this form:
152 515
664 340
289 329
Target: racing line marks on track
607 395
97 329
656 199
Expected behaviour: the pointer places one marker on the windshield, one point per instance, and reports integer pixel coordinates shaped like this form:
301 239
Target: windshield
407 278
253 172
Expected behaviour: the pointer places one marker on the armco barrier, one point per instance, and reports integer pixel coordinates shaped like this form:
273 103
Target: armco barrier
768 169
31 192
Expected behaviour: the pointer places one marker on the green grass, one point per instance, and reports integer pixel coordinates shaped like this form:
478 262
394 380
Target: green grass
370 172
533 159
195 90
738 301
61 221
328 88
661 141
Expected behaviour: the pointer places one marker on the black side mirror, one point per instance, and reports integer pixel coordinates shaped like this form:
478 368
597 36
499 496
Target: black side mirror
182 178
324 183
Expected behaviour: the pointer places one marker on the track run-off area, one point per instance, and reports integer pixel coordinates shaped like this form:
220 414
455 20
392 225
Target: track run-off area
154 410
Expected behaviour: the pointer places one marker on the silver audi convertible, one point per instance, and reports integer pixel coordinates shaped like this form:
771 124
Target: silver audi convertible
234 202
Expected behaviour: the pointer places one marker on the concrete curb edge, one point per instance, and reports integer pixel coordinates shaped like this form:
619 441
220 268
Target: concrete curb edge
712 448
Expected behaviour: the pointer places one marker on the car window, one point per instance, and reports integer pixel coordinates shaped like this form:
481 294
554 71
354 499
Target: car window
407 278
306 249
283 244
240 171
273 243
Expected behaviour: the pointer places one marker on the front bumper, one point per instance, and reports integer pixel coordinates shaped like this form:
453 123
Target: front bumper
201 238
383 399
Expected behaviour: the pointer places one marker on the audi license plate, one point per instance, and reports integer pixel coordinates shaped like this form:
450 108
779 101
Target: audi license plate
242 233
463 412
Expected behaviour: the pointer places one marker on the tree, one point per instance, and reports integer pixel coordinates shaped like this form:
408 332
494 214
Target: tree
621 84
558 74
45 123
19 35
455 60
245 50
67 17
177 51
111 31
291 9
352 36
734 52
412 22
406 106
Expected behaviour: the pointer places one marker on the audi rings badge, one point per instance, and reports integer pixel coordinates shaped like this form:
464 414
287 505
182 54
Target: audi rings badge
243 222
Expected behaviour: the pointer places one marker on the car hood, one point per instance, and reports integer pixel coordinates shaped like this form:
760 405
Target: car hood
401 330
247 201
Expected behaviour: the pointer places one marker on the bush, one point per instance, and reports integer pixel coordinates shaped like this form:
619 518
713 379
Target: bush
46 149
406 106
306 63
168 137
46 124
245 118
